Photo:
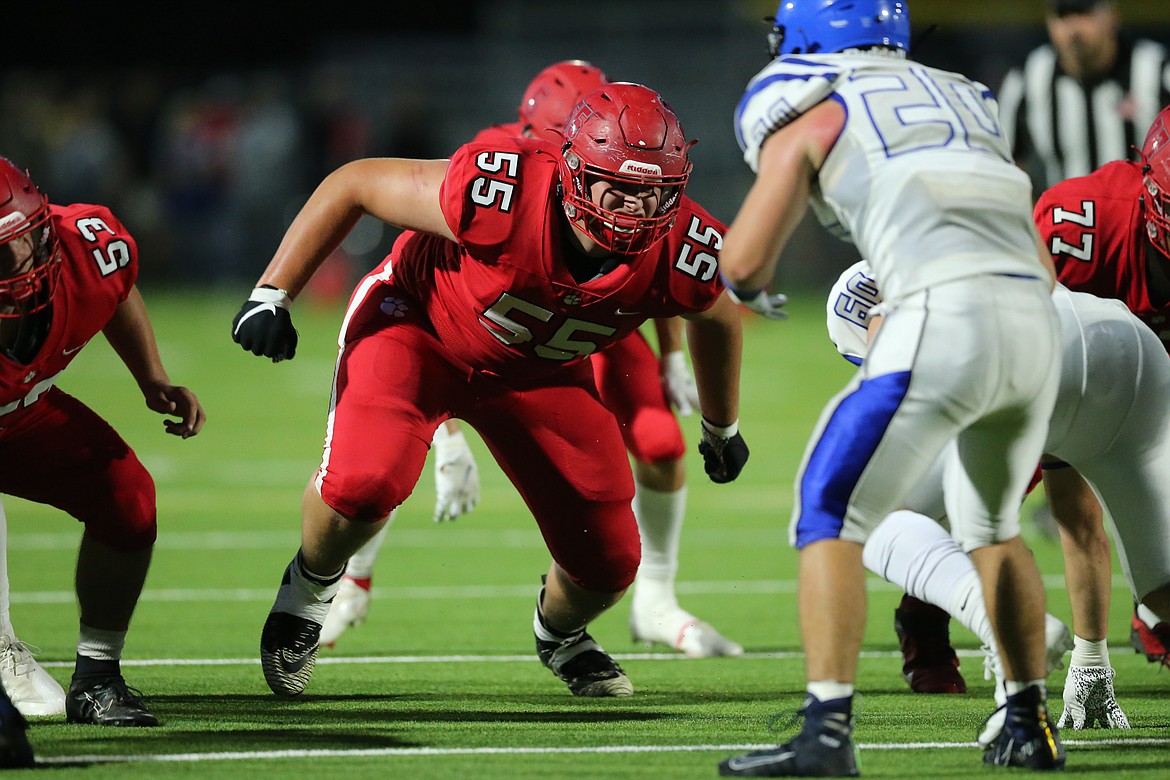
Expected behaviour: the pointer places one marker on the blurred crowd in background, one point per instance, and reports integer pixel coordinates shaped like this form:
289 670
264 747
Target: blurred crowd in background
206 135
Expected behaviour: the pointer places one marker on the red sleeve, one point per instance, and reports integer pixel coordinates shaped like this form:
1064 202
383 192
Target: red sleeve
497 133
693 246
100 246
489 187
1089 224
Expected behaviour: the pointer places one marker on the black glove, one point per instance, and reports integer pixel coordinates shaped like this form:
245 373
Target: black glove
723 456
264 326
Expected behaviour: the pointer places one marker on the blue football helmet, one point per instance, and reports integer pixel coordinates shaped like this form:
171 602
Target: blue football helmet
826 26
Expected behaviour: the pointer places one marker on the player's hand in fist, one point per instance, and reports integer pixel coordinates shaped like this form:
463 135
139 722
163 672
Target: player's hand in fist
264 326
724 451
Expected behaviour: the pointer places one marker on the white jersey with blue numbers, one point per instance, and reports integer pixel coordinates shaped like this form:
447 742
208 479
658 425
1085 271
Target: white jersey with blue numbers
920 180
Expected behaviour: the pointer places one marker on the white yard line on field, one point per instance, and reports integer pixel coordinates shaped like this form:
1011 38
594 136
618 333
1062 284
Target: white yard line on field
248 755
416 592
471 659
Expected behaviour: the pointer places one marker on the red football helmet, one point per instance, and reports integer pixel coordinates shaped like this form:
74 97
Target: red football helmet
626 136
1156 173
30 257
552 94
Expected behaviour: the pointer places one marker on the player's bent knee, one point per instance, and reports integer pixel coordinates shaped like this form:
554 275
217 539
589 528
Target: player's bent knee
655 437
130 522
365 498
612 575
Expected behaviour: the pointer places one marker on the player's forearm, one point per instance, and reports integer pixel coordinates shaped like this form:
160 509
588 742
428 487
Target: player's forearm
130 334
403 193
318 229
716 345
669 331
1087 562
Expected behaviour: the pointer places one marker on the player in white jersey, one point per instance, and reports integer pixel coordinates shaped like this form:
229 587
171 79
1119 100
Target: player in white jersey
1111 426
910 164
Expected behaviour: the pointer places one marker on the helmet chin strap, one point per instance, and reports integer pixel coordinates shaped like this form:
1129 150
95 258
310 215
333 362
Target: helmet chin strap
21 337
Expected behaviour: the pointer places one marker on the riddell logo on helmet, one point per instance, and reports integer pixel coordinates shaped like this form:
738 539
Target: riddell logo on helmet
12 220
642 169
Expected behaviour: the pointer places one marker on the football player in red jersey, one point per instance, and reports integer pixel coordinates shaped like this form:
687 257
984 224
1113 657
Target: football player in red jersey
639 388
68 273
519 260
1109 235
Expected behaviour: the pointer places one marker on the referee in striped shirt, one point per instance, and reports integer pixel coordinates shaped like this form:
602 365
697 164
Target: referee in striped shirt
1085 99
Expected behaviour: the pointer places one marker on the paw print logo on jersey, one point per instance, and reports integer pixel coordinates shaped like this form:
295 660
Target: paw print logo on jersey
394 307
571 299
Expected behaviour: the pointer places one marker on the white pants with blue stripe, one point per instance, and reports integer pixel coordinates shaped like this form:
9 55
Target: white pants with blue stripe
974 361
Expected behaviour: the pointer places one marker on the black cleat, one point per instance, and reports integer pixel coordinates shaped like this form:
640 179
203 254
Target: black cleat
1028 738
822 749
288 652
584 666
15 751
106 701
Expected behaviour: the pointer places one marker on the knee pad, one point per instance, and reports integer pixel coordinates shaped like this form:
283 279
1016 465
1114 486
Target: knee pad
363 497
613 575
126 518
655 436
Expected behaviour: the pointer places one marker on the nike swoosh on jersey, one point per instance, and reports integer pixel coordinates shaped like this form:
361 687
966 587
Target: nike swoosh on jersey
625 313
68 352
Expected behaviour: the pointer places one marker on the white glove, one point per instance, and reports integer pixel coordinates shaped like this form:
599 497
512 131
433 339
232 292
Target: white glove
679 383
1089 700
761 302
456 476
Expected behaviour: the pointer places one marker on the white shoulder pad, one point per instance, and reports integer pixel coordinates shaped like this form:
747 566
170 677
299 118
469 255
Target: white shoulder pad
781 92
853 296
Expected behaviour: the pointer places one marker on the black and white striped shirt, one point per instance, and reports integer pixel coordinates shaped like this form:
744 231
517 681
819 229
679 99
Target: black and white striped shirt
1070 128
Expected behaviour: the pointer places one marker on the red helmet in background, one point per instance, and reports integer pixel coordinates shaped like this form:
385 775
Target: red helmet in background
30 258
1156 178
552 94
625 135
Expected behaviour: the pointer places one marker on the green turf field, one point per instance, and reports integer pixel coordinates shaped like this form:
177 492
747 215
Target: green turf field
442 680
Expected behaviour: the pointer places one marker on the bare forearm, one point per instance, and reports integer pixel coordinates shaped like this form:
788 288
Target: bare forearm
1087 560
401 192
130 334
716 344
669 331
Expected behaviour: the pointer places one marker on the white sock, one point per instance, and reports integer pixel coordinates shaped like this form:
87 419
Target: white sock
100 644
1145 613
917 554
543 631
5 594
1015 686
306 594
660 520
1087 652
361 563
827 690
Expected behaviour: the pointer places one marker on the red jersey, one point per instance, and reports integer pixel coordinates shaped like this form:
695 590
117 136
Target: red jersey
99 262
1094 228
502 299
497 133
